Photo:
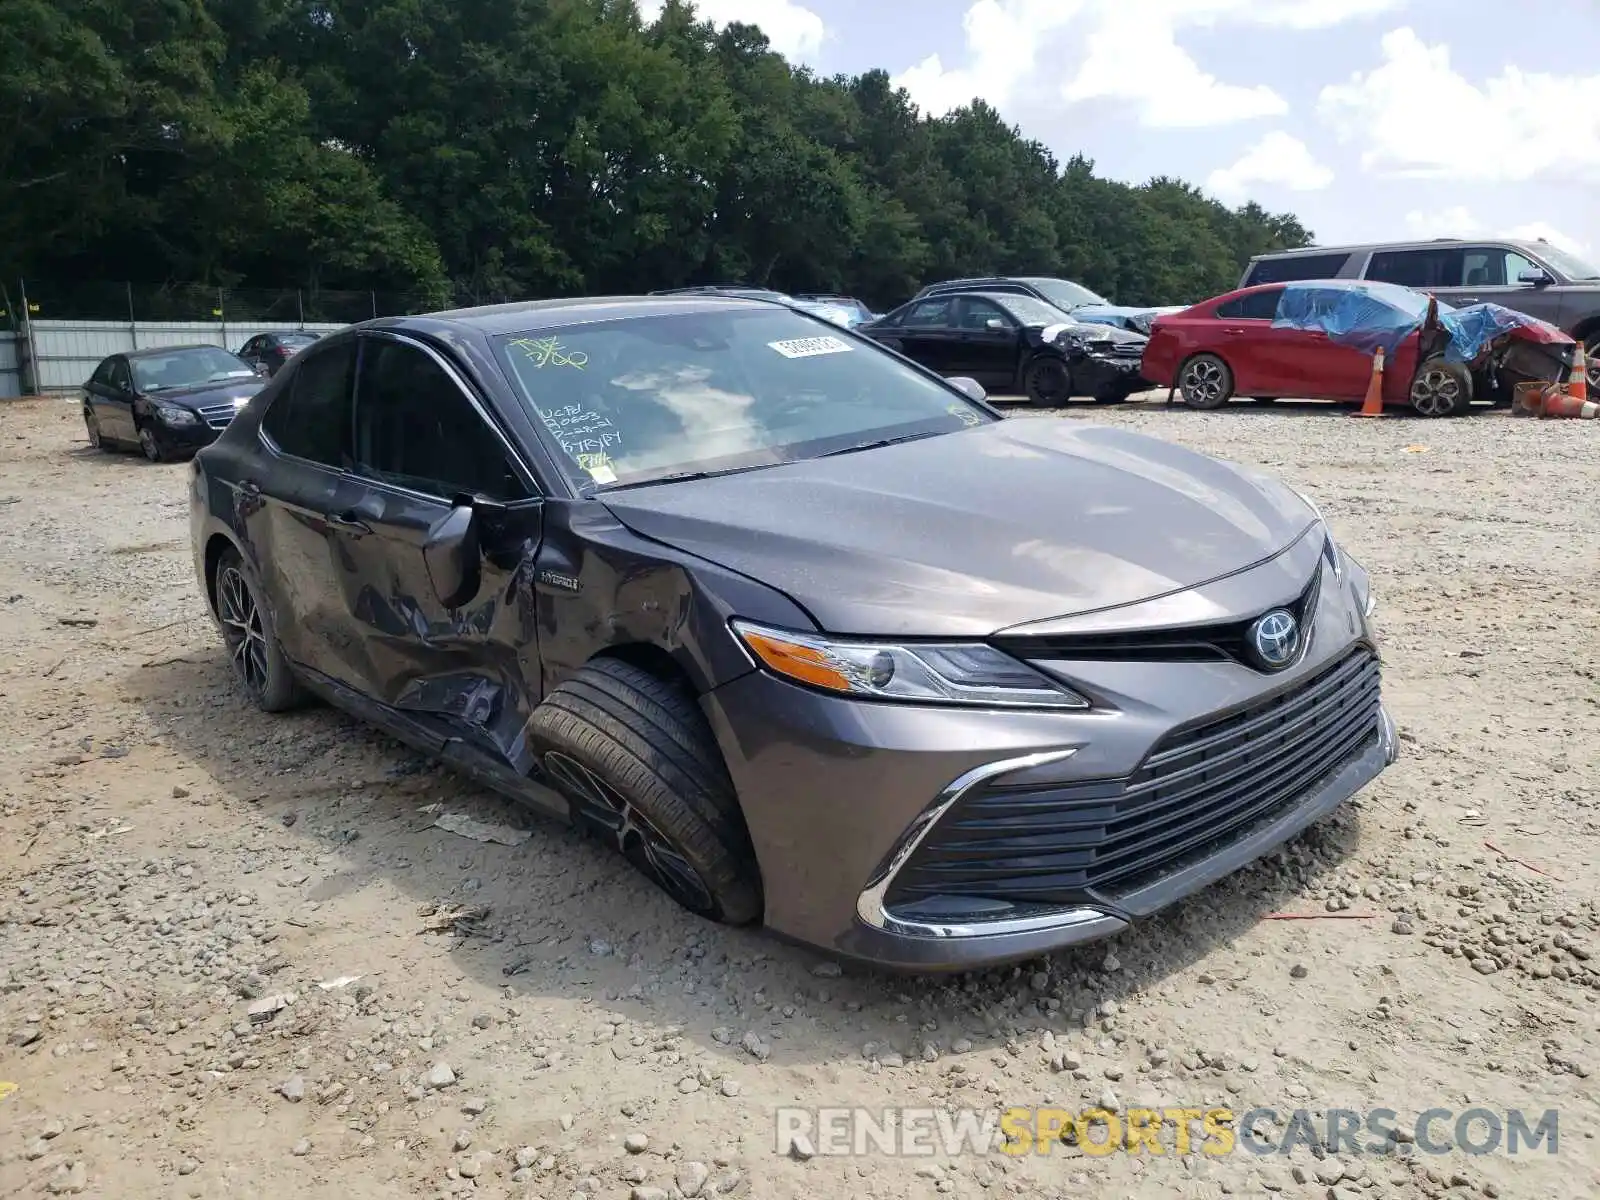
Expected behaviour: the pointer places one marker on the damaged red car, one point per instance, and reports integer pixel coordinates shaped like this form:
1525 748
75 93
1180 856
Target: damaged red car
1315 340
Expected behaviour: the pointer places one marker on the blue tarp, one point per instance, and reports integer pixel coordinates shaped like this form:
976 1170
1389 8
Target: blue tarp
1366 316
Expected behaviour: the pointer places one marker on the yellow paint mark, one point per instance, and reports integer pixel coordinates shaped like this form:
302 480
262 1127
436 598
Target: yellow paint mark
7 1088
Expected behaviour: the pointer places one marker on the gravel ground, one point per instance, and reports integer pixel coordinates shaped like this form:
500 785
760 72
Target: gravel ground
436 1016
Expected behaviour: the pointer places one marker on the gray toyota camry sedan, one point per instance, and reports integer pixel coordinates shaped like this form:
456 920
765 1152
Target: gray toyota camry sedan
809 634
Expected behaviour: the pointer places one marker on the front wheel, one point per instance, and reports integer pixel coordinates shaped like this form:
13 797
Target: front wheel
638 763
1047 382
1441 388
1206 382
151 445
1591 355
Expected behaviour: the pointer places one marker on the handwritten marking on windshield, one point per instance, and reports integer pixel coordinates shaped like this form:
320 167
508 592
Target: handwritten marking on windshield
548 352
810 347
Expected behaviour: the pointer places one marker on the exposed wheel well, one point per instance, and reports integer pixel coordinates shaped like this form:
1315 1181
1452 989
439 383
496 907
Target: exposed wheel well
1585 330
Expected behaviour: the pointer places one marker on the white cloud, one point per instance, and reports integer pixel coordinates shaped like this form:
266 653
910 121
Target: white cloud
1134 56
1002 39
1131 54
1279 160
794 31
1459 222
1418 117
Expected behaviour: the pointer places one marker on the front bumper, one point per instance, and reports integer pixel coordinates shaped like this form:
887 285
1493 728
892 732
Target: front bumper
859 811
1101 374
174 439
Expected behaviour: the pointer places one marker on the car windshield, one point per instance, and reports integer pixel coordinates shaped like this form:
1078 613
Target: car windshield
1569 265
642 399
187 368
1028 310
1066 294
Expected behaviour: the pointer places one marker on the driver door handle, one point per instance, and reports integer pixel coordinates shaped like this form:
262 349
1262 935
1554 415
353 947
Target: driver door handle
348 522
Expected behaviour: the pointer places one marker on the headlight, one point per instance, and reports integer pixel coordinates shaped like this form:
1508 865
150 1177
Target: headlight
173 415
970 674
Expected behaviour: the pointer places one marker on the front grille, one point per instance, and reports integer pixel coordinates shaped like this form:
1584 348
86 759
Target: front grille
218 415
1199 643
1200 789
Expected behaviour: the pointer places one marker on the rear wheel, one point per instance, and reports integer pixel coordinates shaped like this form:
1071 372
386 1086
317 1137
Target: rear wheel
91 423
251 638
1591 354
637 761
1047 382
1441 388
1206 382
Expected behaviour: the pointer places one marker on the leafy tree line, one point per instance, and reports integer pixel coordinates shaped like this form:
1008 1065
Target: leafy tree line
479 150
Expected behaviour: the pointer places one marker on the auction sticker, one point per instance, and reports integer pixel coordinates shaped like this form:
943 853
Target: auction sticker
810 347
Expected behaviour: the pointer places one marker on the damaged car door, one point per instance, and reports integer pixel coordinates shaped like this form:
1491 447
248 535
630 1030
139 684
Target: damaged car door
438 553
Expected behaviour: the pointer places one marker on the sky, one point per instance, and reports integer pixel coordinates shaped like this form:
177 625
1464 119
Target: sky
1371 120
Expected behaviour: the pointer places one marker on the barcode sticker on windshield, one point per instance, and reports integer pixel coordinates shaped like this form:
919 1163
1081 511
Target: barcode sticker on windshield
809 347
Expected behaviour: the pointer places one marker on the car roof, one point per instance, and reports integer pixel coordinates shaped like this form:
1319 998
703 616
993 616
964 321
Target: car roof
527 315
153 351
1424 244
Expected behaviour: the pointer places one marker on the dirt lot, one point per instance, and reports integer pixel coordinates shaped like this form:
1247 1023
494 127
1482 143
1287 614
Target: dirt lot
171 858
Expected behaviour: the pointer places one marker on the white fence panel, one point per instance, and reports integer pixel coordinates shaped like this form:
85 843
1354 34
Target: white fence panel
10 376
69 351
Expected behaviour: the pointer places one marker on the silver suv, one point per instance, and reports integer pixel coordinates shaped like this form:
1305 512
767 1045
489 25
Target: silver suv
1532 277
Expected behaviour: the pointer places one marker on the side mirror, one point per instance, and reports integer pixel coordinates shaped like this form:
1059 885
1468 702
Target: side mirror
453 557
995 323
1536 277
969 388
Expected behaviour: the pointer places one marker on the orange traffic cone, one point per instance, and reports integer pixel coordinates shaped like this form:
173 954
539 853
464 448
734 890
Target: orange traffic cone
1372 406
1578 387
1559 403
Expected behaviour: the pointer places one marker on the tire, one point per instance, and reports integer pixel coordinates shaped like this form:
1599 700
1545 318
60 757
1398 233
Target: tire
1441 388
151 445
1047 382
1206 382
96 441
637 761
251 638
1591 355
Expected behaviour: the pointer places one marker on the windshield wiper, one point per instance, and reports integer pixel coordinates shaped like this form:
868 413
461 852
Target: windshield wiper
888 441
682 476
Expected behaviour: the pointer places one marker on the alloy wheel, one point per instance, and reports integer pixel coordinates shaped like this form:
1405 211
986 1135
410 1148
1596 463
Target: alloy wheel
611 816
1436 393
1202 382
242 629
1591 355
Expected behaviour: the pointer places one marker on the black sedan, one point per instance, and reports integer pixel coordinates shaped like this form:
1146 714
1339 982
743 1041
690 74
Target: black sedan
167 402
1014 344
273 350
807 633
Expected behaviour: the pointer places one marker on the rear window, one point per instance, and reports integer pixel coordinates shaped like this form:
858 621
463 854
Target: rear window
1435 267
1257 306
1296 267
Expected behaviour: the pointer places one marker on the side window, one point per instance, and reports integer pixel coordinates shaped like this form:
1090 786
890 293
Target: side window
1418 268
102 373
416 429
1296 267
311 418
253 346
1257 306
1516 266
120 379
931 313
976 313
1483 266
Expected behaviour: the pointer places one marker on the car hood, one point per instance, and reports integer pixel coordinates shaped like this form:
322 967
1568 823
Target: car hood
1089 334
968 533
202 395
